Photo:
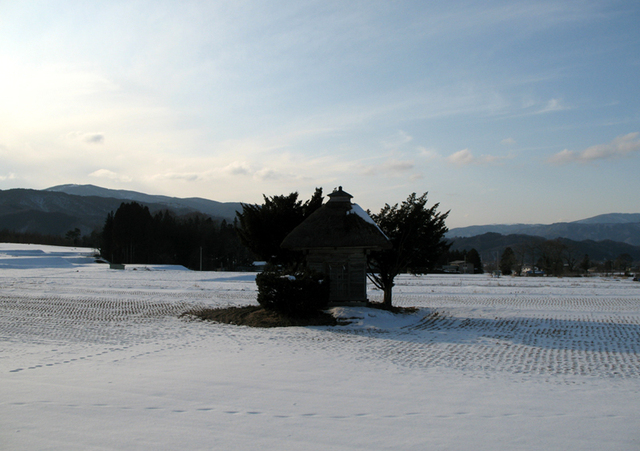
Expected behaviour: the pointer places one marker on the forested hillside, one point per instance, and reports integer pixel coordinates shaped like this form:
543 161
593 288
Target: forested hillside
53 212
490 246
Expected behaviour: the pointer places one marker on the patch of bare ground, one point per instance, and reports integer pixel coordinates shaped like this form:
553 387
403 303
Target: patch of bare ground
256 316
392 309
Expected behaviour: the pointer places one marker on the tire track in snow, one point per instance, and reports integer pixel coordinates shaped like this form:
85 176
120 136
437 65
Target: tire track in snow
522 335
527 346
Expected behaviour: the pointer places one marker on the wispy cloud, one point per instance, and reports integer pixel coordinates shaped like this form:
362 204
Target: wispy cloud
90 138
532 107
552 106
464 157
229 172
508 142
399 166
619 147
390 168
238 168
181 176
400 138
110 175
267 174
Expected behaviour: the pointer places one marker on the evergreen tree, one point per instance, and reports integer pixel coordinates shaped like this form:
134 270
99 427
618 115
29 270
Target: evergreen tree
473 257
585 264
417 235
262 228
507 261
73 236
552 257
127 234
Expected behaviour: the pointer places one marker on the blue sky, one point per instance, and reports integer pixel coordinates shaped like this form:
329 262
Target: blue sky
503 111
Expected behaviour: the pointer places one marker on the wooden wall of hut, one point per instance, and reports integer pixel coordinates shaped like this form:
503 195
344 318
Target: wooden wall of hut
346 269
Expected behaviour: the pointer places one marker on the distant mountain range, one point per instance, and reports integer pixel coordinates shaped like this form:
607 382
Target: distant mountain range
58 209
622 227
225 210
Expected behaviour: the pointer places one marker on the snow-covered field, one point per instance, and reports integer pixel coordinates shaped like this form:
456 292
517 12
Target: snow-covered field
93 358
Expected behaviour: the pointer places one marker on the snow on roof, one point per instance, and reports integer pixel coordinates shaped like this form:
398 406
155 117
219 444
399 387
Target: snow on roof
357 210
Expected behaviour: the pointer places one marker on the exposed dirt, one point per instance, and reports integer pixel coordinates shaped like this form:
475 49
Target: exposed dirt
256 316
392 309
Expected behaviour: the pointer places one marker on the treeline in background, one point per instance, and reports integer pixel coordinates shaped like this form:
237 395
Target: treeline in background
133 235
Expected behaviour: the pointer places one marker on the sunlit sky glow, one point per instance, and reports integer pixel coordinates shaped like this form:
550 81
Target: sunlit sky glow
503 111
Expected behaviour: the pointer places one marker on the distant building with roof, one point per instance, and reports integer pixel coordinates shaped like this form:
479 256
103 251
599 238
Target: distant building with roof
336 239
459 267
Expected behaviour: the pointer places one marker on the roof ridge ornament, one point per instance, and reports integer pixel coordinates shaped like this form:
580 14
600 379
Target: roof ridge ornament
338 195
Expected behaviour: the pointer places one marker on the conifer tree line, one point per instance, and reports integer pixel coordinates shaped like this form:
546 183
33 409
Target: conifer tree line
133 235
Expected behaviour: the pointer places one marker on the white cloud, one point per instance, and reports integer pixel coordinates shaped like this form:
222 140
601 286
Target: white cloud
461 158
562 157
428 154
508 142
10 176
238 168
109 175
619 147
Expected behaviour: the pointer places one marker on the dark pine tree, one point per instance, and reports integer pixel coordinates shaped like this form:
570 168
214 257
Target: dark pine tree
262 228
417 235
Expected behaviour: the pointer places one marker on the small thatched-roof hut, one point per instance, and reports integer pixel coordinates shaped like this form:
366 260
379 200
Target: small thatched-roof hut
336 239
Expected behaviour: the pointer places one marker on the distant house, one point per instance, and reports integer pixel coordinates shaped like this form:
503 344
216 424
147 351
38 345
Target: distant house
336 239
259 265
459 267
530 271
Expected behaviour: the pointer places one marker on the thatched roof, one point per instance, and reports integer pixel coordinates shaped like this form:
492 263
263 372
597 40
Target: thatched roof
337 224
